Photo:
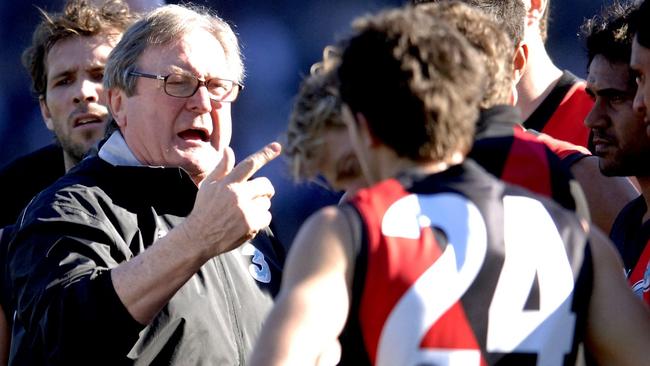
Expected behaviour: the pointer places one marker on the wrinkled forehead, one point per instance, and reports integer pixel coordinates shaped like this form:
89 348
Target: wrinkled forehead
73 51
197 52
604 74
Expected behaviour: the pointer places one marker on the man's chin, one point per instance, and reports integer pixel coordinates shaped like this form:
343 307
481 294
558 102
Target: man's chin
198 163
76 151
613 170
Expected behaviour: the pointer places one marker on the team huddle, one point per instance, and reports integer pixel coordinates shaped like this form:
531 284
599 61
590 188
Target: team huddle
494 213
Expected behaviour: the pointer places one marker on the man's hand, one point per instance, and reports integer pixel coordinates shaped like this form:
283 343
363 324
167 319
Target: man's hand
230 209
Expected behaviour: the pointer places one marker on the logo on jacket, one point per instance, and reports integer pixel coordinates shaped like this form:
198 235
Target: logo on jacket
643 285
259 269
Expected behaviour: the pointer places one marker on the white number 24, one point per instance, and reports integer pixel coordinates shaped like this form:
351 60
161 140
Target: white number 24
534 249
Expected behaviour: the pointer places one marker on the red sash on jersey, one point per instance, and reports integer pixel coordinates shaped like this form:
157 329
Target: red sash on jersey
518 168
639 278
425 301
394 264
562 148
567 122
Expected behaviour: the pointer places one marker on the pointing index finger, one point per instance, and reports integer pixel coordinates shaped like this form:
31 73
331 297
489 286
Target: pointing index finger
254 162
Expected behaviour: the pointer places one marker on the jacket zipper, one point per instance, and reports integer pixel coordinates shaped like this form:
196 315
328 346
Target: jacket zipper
239 337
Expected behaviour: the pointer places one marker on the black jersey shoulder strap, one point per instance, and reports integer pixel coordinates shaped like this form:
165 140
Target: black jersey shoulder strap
543 113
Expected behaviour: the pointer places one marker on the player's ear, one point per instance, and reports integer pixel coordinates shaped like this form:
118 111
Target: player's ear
519 61
117 106
535 10
538 6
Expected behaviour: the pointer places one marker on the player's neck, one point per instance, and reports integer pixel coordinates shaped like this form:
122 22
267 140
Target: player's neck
538 80
398 165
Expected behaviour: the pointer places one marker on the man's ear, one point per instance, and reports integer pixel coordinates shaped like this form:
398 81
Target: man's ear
45 113
538 6
519 62
117 106
536 10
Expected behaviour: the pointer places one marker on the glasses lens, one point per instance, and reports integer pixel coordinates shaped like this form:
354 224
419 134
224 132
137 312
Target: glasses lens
179 85
223 90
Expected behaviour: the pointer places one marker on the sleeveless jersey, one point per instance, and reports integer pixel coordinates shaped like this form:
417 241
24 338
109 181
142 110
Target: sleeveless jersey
506 150
632 237
457 268
639 278
563 111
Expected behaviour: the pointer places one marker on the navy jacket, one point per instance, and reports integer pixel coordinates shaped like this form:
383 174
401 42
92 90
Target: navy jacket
98 216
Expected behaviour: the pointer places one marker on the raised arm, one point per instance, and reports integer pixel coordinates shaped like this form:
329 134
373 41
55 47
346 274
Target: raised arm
595 186
314 301
72 272
229 210
606 196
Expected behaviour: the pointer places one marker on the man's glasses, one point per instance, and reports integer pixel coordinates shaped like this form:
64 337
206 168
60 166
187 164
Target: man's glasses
184 86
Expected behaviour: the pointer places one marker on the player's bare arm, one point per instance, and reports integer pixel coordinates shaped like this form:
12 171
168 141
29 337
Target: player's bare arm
596 186
618 324
313 304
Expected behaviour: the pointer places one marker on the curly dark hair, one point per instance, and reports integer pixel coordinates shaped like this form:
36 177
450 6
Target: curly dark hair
611 33
80 18
417 81
510 14
489 39
641 25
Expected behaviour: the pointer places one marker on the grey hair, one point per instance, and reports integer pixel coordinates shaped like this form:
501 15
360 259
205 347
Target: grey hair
163 26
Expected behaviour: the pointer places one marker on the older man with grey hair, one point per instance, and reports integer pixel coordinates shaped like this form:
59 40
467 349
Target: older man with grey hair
157 250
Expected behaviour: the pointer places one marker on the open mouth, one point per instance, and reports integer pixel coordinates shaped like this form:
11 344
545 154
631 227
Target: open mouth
599 142
601 145
87 121
601 139
194 134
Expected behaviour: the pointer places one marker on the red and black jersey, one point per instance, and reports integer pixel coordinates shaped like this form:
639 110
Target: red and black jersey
457 268
639 278
563 111
631 236
506 150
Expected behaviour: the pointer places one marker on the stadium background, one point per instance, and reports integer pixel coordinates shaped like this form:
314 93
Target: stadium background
280 40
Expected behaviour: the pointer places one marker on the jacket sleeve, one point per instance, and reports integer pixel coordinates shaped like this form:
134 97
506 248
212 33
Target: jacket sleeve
59 263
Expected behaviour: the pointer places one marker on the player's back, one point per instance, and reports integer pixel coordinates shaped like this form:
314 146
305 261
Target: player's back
504 149
563 111
457 268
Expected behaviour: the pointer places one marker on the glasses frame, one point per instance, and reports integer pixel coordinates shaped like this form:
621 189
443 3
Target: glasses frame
200 83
